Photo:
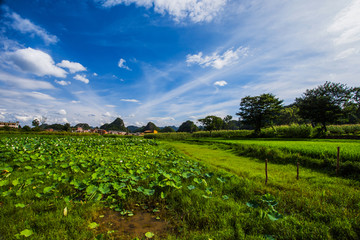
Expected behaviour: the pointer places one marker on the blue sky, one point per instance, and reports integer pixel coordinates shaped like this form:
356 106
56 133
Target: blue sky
167 61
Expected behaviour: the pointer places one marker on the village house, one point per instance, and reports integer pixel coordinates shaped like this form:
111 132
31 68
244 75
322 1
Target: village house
9 124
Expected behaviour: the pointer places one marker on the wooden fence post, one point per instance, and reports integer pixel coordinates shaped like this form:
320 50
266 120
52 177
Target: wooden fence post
297 171
338 161
266 171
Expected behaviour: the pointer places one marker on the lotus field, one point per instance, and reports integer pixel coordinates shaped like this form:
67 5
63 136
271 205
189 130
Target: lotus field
113 171
95 187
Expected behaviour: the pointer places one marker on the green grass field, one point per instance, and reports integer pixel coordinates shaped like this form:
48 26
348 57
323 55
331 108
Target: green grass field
67 187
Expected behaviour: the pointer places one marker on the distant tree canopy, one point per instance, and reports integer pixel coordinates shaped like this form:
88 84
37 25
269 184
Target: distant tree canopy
211 123
226 121
167 129
259 111
188 126
116 125
151 126
84 126
326 104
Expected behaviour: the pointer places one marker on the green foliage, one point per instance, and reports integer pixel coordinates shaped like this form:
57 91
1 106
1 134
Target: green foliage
259 111
188 126
325 104
266 207
167 129
212 123
116 125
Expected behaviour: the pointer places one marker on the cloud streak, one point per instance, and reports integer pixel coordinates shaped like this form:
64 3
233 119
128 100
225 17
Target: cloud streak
26 26
196 11
217 61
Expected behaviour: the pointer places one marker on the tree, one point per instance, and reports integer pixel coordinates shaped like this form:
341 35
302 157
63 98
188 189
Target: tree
325 104
84 126
289 115
211 123
167 129
35 122
259 111
67 127
188 126
226 121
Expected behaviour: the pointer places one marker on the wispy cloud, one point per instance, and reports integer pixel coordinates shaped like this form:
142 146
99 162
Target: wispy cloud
81 78
130 100
196 11
24 83
62 82
121 64
217 61
26 26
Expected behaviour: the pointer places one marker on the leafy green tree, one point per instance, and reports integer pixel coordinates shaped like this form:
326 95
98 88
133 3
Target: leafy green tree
35 122
84 126
67 127
289 115
212 123
226 121
259 111
188 126
325 104
167 129
26 128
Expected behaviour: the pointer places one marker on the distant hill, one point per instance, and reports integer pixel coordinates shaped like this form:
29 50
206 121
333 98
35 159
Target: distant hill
133 128
116 125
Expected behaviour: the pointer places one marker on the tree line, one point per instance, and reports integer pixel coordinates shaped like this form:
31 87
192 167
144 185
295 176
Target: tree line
330 103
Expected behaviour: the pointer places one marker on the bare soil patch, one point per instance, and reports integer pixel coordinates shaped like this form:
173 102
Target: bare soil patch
117 226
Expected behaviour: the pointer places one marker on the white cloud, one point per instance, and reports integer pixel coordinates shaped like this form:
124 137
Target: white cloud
217 61
110 106
39 96
81 78
62 112
107 114
130 100
346 24
220 83
26 26
95 74
24 83
73 101
195 10
24 118
72 66
36 62
62 82
121 64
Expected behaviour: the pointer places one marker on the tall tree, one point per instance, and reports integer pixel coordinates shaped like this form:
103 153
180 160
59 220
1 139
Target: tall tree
36 122
188 126
226 121
211 123
259 111
325 104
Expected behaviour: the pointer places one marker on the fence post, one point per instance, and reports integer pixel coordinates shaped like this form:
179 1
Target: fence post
266 171
297 171
338 161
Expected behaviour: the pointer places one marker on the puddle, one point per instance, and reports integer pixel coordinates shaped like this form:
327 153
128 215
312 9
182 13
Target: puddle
124 227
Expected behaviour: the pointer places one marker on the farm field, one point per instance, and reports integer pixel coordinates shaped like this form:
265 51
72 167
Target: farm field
318 154
54 187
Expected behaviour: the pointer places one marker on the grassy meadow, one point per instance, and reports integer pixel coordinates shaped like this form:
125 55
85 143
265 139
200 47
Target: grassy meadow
91 187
